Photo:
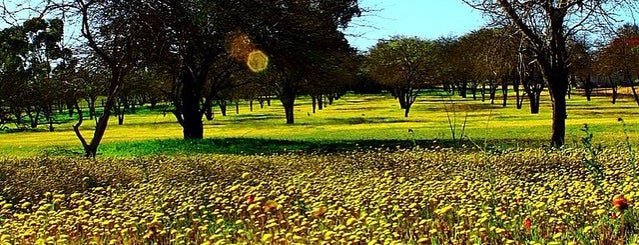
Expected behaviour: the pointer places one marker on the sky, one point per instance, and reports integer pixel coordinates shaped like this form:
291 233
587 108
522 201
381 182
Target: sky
422 18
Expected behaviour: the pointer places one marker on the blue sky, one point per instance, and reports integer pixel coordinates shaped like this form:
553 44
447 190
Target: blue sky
423 18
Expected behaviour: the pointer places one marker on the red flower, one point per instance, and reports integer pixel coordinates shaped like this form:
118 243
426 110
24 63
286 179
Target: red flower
250 199
528 224
620 202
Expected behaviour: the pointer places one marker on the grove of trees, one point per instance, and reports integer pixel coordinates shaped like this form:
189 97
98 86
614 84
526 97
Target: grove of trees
196 55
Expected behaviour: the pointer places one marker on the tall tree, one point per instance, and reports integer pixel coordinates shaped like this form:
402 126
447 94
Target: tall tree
111 33
619 59
548 24
305 42
29 54
406 64
583 67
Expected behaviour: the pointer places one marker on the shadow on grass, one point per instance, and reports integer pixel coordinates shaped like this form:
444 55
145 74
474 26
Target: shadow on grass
254 146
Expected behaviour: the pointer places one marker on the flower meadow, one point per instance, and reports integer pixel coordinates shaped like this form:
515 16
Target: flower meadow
374 196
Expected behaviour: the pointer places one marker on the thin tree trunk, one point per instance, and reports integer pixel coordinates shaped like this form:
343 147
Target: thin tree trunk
222 104
518 98
613 84
462 89
320 102
588 88
634 90
314 102
504 91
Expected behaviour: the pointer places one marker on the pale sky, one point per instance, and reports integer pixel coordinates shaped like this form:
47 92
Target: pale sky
423 18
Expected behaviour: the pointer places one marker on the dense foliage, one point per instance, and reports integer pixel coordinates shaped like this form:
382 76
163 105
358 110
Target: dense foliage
377 196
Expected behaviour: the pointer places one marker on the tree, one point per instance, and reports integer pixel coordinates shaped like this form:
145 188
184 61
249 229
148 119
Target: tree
203 43
548 24
13 72
29 53
113 36
406 64
447 70
583 67
619 59
490 57
305 43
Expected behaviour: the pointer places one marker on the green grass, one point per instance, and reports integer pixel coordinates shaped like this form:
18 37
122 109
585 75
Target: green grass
351 122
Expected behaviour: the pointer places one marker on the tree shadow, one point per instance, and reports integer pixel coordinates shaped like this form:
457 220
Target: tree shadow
256 146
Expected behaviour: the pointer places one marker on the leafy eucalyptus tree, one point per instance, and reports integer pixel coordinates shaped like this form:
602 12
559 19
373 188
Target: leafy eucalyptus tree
27 84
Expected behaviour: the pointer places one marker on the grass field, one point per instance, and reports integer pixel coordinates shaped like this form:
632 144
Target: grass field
366 119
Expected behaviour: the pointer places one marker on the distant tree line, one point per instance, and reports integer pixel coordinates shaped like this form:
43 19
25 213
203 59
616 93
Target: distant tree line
488 63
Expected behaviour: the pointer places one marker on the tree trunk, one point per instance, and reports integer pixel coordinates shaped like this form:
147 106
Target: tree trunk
462 89
192 126
222 104
558 88
402 98
92 113
314 102
60 107
504 91
569 89
33 119
153 101
70 109
493 91
209 113
320 102
588 88
132 106
613 85
634 90
91 149
237 107
288 110
519 100
534 103
558 117
287 97
48 114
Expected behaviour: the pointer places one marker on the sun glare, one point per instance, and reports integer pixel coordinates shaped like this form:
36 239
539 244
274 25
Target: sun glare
257 61
241 48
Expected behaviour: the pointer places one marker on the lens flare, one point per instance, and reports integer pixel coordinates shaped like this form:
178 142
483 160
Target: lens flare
240 46
257 61
242 49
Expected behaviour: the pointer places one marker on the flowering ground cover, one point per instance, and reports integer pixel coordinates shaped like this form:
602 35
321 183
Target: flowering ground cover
376 196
